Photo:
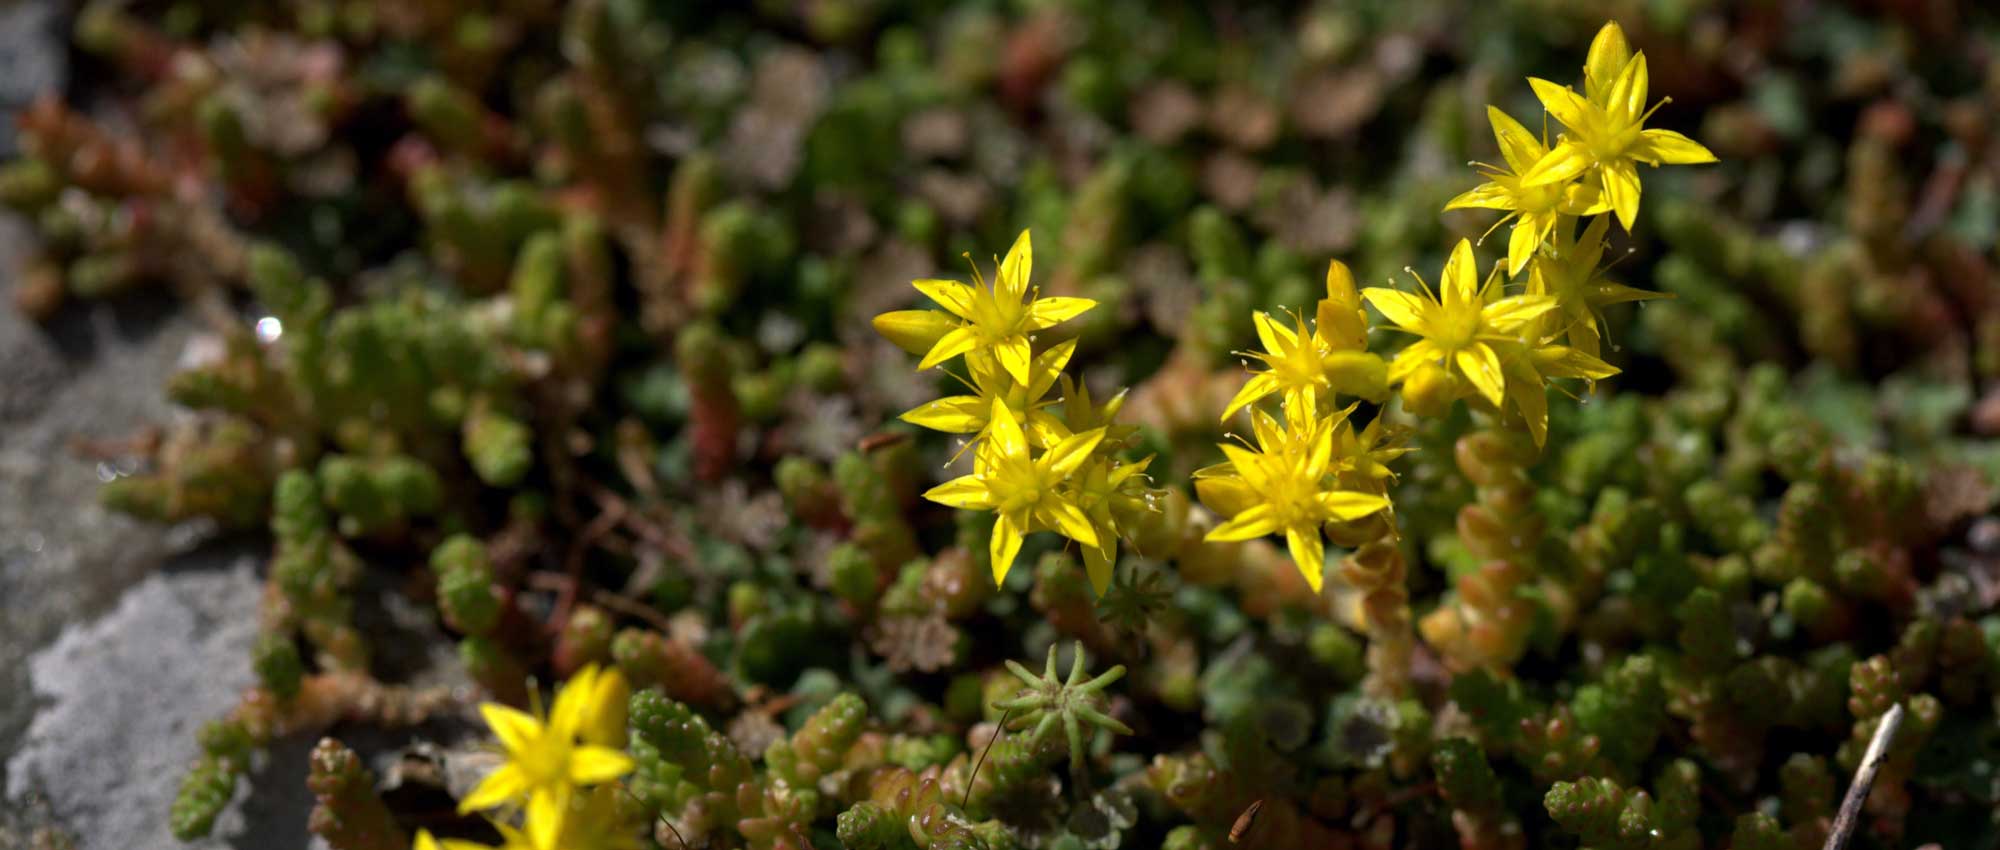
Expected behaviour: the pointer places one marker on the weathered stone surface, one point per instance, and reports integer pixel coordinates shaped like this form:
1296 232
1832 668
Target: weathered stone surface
97 729
31 59
123 697
95 372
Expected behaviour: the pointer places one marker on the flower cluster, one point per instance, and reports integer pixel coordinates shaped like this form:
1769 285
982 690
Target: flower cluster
1034 469
1594 166
1310 468
1509 348
551 764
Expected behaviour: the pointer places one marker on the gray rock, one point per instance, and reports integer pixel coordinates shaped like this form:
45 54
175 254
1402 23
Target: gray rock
31 59
95 372
124 697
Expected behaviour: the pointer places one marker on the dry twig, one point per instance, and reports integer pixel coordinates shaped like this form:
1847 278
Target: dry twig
1864 778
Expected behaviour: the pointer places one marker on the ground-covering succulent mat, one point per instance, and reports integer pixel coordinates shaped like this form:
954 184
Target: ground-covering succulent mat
1042 424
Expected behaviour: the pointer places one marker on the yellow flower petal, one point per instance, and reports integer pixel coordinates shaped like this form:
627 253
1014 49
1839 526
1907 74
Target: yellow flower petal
954 343
515 728
1530 397
1015 269
1507 315
1320 456
1582 199
949 294
1487 196
1124 471
1669 147
959 414
503 785
1621 188
1340 285
1561 361
1309 553
590 765
1482 367
572 702
1604 292
1260 385
604 719
1227 496
1045 312
511 838
1270 433
546 808
1044 429
1048 366
1608 55
1582 335
1518 147
1014 354
1302 398
1562 104
1097 563
1004 431
1249 465
1404 310
1252 523
1413 357
1063 458
1627 97
1007 532
1563 163
966 492
1275 338
1460 284
1068 520
1527 236
1344 505
915 331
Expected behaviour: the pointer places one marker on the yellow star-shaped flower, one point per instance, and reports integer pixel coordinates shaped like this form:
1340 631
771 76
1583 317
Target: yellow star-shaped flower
547 760
969 414
1458 326
1605 127
1534 209
997 318
1570 271
1293 366
1024 491
1113 494
1285 489
1537 360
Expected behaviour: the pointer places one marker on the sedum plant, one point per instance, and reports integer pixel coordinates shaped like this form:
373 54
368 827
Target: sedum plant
1033 470
536 327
